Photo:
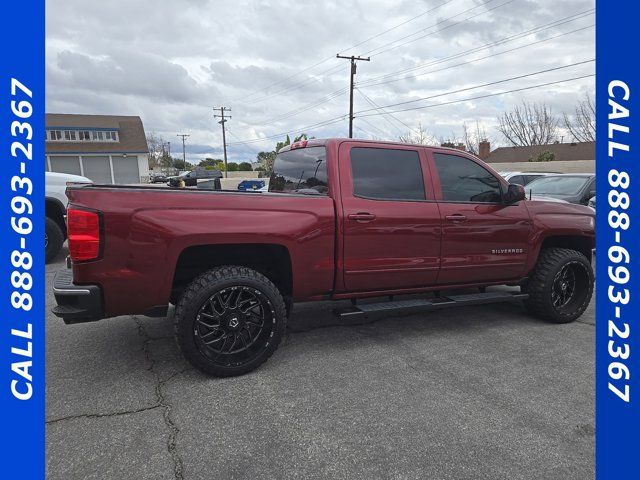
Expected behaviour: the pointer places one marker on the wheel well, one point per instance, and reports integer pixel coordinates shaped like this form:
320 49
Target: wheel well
55 210
273 261
581 244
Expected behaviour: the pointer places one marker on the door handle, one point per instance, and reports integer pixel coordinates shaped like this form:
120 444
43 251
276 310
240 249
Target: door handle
361 217
457 218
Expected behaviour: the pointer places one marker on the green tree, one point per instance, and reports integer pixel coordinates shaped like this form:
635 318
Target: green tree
266 160
244 167
232 167
545 156
180 164
211 162
281 145
287 141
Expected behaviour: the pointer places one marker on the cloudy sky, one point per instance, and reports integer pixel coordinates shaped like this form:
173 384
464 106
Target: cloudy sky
273 63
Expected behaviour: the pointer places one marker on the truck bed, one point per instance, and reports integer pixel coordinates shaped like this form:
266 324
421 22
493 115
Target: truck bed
147 230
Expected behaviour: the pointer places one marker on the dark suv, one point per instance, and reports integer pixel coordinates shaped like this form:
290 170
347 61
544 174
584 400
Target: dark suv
573 187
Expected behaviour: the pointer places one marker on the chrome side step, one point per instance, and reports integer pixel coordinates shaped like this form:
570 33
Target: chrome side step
430 304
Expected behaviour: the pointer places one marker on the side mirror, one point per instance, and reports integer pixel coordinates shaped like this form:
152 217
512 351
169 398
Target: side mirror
514 194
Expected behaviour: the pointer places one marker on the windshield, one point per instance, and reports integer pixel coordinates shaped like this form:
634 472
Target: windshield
560 185
303 170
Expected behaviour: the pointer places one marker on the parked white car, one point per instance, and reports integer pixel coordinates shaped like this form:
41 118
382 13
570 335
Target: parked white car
522 178
55 204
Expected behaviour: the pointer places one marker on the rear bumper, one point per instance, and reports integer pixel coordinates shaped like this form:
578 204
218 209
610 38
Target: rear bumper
76 303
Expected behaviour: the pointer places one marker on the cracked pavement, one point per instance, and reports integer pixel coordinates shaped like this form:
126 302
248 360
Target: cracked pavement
481 392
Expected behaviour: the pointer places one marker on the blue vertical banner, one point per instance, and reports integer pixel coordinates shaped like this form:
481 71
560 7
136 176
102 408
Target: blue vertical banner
618 246
22 342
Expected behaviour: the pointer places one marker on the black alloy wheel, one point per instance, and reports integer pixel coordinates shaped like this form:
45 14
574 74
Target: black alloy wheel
230 320
569 285
561 285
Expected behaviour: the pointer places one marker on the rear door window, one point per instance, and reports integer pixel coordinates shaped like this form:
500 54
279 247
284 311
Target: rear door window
387 174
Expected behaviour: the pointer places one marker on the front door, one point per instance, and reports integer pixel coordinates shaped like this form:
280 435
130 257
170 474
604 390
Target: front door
482 239
391 229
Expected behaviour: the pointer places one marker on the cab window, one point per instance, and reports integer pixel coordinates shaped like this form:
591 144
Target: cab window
302 171
463 180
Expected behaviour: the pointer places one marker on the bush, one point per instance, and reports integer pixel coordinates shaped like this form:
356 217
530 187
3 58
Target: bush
545 156
244 167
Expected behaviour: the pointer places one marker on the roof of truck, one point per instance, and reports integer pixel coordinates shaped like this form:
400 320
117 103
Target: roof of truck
316 142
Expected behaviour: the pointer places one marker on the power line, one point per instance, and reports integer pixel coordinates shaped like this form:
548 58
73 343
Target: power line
480 86
365 131
383 112
297 86
333 69
373 52
468 62
291 76
306 69
241 144
546 84
507 39
282 134
398 25
369 112
371 81
384 134
487 95
297 111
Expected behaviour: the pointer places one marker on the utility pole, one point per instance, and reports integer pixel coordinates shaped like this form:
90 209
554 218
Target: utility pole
184 155
353 72
222 121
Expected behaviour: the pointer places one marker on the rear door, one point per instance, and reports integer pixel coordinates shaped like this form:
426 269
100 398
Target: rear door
482 239
391 233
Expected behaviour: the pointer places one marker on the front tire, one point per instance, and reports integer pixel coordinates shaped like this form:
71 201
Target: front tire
229 321
561 285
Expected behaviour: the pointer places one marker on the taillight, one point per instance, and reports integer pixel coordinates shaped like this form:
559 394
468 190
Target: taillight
300 144
83 231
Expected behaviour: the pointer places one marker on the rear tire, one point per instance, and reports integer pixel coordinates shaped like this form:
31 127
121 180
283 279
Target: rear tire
561 285
229 321
53 240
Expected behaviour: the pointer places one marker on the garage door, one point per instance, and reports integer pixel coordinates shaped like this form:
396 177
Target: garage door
125 169
65 164
97 169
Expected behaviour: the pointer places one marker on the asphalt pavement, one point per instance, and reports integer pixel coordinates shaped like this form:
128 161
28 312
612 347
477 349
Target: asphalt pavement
483 392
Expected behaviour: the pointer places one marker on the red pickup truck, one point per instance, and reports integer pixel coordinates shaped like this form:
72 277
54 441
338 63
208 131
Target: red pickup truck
343 219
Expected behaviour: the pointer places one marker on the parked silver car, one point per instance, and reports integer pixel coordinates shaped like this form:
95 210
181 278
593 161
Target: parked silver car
523 178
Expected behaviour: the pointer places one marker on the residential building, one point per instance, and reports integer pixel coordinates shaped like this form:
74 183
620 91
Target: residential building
577 157
562 151
104 148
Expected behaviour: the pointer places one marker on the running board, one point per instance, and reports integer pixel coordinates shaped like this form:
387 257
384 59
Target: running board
431 304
